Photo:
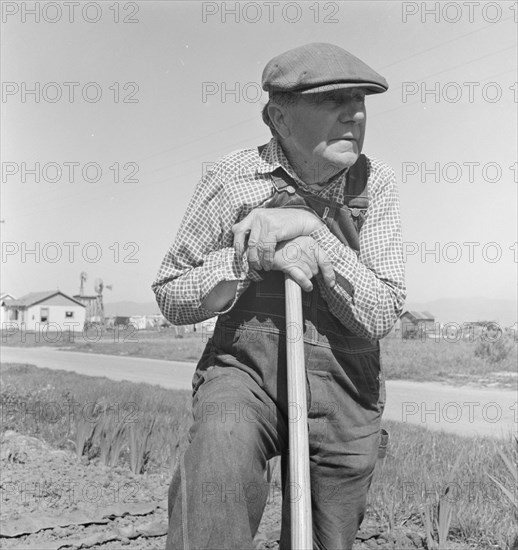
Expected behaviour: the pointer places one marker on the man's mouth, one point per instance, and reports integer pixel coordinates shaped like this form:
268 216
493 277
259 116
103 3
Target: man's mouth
345 139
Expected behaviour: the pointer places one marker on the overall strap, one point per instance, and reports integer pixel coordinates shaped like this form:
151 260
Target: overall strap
344 221
356 179
355 184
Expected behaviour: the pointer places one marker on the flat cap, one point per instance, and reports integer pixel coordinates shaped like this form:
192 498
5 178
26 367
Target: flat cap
319 67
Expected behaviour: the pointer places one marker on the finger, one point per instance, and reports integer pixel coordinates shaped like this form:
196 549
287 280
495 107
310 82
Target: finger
301 278
326 268
307 270
254 245
241 242
313 266
266 253
252 255
264 241
303 273
241 231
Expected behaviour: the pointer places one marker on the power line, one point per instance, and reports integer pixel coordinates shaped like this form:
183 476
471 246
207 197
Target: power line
174 147
416 102
169 166
442 44
196 139
468 62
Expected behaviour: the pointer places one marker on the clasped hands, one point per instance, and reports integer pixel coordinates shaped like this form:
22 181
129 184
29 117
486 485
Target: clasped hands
278 239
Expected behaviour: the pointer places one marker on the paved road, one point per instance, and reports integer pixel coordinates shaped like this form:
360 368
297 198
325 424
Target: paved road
459 410
168 374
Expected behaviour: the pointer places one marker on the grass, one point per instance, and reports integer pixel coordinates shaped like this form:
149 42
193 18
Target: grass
441 361
432 482
139 439
437 517
511 463
442 479
84 433
96 416
429 360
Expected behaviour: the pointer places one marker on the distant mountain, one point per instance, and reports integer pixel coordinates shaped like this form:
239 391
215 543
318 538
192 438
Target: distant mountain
460 310
127 309
445 310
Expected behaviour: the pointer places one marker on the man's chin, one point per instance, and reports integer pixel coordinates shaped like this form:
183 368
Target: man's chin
344 160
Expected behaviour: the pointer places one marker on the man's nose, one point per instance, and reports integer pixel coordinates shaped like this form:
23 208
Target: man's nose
351 113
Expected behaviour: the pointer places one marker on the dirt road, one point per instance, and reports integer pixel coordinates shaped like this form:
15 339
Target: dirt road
464 411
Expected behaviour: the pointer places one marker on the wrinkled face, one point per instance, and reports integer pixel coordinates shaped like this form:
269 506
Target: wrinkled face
325 132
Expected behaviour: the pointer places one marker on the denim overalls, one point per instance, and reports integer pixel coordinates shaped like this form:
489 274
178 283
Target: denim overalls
240 407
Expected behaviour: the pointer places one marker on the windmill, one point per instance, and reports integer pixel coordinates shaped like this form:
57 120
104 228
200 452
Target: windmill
83 276
99 287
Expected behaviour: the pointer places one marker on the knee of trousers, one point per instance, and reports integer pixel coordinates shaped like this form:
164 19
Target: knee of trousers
362 465
226 432
354 462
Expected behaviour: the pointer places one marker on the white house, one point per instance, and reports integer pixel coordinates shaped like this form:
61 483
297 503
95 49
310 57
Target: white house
4 297
53 308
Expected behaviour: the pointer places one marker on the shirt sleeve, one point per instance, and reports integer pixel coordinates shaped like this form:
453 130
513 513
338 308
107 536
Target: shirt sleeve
372 296
201 256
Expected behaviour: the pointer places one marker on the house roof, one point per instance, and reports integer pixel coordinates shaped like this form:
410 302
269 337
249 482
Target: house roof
36 297
6 296
420 315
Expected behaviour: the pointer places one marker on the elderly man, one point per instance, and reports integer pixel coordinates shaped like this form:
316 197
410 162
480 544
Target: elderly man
311 205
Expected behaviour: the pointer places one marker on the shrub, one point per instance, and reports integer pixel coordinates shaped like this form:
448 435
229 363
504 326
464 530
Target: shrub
494 352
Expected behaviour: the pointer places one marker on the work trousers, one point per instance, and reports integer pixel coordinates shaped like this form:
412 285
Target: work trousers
240 408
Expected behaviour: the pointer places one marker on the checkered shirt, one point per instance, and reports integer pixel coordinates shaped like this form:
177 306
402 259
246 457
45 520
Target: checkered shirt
203 255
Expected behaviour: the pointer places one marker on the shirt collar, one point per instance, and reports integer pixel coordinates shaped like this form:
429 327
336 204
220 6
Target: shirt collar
270 158
273 157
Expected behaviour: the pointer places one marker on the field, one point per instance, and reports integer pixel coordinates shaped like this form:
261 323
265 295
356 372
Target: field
132 434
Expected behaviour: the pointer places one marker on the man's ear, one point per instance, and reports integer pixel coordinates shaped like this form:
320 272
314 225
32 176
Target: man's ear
280 119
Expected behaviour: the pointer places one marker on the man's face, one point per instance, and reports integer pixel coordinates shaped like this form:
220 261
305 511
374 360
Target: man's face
326 132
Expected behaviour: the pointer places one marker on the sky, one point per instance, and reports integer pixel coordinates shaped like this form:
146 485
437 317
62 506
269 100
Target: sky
132 101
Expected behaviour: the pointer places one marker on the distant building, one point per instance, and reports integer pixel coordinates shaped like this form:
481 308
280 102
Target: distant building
140 322
208 326
52 308
512 331
93 307
416 323
121 321
158 321
4 297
